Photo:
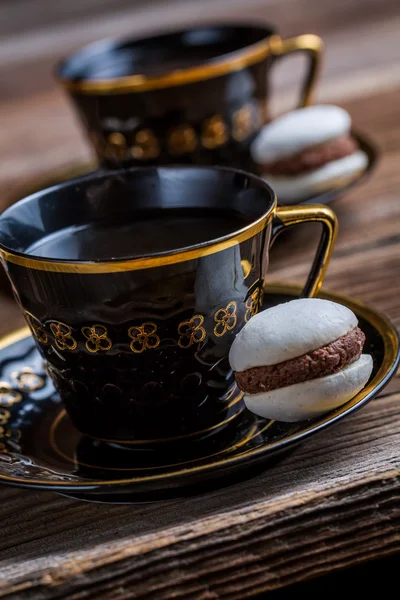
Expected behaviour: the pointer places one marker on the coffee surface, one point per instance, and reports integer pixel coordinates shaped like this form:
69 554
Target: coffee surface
138 234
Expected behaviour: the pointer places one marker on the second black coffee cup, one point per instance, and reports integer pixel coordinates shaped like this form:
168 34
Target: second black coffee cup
196 96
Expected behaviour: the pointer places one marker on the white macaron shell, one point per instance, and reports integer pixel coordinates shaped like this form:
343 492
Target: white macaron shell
338 172
289 330
312 398
303 128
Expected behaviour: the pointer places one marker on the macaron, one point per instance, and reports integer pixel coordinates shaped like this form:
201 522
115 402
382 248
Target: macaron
300 359
308 151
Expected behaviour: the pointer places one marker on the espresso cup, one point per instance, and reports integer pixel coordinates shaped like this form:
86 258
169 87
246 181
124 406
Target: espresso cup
197 96
137 344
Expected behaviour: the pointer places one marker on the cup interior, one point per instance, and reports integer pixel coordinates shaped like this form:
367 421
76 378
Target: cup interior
152 56
135 196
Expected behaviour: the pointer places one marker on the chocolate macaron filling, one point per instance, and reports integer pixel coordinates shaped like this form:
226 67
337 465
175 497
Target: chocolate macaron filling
313 158
324 361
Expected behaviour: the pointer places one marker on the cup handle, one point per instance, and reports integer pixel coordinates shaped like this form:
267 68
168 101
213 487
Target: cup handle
313 46
287 216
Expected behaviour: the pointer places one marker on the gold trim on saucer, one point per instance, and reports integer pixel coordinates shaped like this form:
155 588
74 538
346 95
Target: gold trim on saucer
135 264
144 83
390 359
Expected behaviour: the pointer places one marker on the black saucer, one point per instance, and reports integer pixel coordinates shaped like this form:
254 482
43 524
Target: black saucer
39 447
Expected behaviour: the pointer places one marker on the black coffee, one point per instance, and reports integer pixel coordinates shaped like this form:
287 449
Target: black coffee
139 234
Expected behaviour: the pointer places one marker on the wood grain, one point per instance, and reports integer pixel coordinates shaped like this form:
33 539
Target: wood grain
335 501
311 514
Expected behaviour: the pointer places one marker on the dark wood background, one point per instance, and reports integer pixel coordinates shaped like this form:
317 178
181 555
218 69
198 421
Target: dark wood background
335 502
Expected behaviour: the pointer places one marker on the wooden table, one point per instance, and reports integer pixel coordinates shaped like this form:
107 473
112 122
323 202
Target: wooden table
335 501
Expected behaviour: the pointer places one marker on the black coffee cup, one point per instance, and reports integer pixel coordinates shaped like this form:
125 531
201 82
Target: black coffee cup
137 346
197 96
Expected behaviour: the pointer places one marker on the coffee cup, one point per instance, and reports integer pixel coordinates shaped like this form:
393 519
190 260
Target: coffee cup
196 96
135 282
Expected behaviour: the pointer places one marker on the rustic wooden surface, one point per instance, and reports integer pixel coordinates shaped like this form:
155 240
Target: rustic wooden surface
335 501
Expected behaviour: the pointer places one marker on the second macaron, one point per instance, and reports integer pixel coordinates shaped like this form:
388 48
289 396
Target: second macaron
308 151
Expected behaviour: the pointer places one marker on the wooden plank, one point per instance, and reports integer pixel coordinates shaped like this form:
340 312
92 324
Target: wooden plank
311 514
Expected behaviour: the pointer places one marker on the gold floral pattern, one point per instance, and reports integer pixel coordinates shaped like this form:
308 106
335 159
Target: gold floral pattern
242 123
182 139
191 331
143 337
4 432
146 336
214 132
63 336
7 433
96 338
225 319
8 396
4 416
146 145
37 328
253 304
116 146
27 381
